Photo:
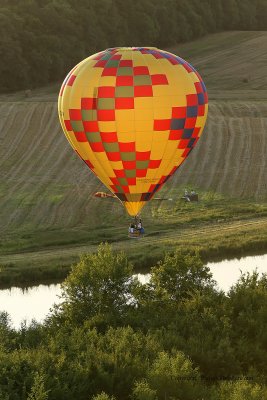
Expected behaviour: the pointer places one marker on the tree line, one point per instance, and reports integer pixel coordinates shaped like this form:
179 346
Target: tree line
41 40
113 338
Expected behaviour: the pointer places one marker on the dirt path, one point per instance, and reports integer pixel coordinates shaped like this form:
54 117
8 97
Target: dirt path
207 231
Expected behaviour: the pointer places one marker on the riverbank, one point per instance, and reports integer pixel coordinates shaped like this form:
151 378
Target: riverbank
35 302
219 229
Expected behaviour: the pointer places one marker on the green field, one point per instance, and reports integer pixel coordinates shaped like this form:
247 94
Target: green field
217 226
47 210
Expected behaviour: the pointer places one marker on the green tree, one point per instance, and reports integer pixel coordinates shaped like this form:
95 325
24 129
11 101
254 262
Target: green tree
261 14
241 390
103 396
247 310
179 275
14 68
231 17
174 280
38 391
99 288
7 334
142 391
173 376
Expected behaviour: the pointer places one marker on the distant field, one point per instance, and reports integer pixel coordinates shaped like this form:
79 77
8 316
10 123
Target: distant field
46 191
216 226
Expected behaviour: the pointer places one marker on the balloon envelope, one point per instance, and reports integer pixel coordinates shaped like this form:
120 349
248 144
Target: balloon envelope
133 115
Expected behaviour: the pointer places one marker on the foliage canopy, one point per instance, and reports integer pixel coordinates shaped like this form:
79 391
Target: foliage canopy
112 338
42 40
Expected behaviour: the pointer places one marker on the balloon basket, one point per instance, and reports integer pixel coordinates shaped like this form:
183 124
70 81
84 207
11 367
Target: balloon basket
135 235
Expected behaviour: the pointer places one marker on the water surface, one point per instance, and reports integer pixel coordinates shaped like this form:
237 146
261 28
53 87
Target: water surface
227 272
31 303
35 302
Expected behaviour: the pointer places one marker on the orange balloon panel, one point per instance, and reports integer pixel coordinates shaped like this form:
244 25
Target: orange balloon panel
133 115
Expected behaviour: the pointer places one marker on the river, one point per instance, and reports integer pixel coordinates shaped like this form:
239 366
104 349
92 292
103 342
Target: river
35 302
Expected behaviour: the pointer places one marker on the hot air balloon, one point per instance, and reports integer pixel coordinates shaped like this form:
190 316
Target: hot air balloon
133 115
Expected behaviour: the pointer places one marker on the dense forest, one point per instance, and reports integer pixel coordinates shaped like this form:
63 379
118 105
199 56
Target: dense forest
175 338
41 40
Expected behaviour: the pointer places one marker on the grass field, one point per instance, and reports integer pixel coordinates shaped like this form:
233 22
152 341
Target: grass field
48 215
217 226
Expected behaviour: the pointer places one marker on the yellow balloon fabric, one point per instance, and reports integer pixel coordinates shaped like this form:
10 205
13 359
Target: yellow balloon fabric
133 115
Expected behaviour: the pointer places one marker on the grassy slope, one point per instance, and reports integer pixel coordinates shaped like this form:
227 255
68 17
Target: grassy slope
46 201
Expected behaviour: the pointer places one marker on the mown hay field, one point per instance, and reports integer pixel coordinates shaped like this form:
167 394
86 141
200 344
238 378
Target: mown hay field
46 192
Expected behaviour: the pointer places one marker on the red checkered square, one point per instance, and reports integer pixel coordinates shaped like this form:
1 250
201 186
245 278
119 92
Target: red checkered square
126 63
192 99
198 87
196 132
190 123
106 91
179 112
187 67
67 124
141 173
88 103
115 181
81 136
140 71
90 126
176 134
159 79
125 147
129 164
143 155
173 61
124 103
71 80
75 115
201 110
124 81
114 156
162 124
143 91
120 173
151 188
125 189
97 147
158 55
183 144
131 181
154 164
109 137
162 179
109 71
116 57
101 63
106 115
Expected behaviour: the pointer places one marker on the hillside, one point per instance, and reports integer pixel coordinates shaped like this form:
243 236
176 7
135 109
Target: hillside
44 187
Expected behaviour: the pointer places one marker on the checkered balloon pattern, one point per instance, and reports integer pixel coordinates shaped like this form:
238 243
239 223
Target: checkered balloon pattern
133 115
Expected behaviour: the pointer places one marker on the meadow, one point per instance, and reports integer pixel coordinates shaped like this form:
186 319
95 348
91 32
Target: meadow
49 215
217 226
